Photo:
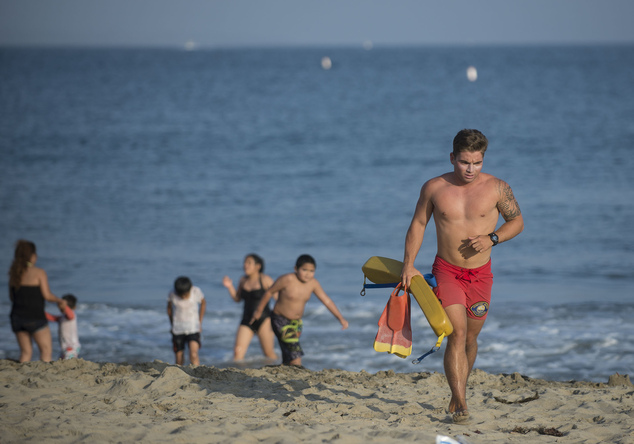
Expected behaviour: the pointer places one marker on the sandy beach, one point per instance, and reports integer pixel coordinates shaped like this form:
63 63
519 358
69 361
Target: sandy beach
82 401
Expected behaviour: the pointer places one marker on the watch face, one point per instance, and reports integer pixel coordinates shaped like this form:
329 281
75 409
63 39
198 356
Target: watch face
494 238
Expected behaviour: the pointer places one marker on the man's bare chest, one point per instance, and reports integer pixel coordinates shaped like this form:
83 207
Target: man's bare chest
451 205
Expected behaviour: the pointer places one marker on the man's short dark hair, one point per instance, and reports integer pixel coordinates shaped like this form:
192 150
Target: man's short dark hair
470 140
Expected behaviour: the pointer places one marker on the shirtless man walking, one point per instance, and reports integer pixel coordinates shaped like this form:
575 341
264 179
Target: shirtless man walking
466 205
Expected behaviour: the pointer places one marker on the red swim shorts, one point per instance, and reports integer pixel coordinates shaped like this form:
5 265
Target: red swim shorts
469 287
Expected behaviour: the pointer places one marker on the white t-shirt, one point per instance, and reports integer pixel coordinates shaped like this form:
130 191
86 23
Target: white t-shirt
186 312
68 336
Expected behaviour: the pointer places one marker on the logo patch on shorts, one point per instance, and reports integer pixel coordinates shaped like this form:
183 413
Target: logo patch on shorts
479 309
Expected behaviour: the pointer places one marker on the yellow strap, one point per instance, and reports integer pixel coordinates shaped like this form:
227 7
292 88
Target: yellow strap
440 339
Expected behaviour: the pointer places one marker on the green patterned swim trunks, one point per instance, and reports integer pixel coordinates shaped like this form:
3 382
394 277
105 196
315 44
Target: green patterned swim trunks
288 332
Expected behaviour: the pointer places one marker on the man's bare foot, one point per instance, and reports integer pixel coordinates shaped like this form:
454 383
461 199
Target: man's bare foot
460 417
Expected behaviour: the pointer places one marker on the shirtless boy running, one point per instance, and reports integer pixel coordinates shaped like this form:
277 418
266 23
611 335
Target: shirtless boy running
466 205
295 289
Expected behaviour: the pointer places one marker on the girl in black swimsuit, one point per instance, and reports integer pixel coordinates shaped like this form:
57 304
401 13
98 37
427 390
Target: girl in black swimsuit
250 290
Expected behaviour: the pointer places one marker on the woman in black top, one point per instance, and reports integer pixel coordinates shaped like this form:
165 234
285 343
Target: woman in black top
28 291
250 290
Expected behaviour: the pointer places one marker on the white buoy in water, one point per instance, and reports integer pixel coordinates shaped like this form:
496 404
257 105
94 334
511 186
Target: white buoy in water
326 63
472 74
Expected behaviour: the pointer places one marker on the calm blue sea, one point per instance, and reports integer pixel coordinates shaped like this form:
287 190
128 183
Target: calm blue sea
131 167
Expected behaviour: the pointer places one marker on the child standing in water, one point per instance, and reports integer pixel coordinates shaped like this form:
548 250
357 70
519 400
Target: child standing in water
294 290
250 290
186 308
68 335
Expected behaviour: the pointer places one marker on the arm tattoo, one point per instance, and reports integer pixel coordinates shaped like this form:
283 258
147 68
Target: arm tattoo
507 205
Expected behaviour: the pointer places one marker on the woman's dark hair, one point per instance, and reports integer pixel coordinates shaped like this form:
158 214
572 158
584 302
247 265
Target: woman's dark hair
258 260
24 250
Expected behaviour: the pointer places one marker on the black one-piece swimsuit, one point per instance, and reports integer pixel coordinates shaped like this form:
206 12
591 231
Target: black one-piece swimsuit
251 301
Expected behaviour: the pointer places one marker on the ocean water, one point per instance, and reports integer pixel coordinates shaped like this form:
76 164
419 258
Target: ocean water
131 167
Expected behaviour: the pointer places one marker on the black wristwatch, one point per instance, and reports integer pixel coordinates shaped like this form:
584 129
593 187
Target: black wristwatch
494 239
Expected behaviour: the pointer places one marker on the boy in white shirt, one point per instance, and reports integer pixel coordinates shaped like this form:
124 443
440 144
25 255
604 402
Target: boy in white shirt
68 336
185 308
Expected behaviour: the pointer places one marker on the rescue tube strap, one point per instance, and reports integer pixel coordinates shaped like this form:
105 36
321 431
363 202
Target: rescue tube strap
429 278
365 285
435 348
